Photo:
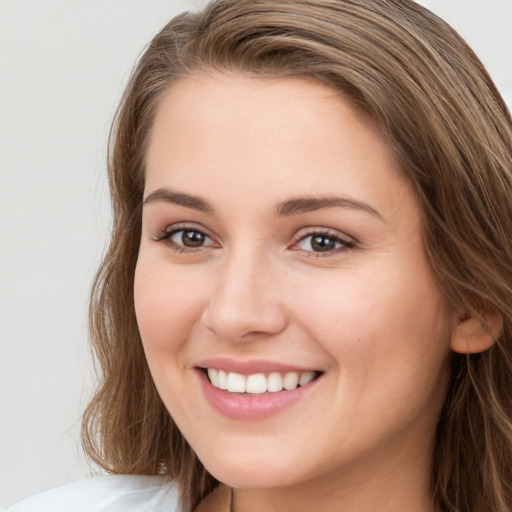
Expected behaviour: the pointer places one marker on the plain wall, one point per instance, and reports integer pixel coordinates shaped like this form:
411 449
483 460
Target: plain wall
63 64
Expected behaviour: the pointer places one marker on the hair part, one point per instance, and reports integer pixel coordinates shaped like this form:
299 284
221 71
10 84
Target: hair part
451 134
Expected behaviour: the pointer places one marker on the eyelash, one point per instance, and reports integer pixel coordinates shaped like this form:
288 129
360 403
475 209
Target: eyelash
334 237
344 244
166 238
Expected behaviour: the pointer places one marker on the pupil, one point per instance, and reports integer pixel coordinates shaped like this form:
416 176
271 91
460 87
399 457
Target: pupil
192 238
322 243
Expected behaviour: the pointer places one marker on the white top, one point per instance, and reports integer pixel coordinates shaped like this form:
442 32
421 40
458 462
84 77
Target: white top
114 493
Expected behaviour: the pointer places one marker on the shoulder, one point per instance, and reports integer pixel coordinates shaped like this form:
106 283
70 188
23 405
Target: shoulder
114 493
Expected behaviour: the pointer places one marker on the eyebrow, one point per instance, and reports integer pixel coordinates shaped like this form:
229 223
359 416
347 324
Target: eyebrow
287 208
187 200
313 203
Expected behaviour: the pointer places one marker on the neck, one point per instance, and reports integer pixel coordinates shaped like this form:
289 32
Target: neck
217 501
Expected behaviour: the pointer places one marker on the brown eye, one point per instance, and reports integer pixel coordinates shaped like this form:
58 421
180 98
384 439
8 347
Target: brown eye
323 243
191 238
188 238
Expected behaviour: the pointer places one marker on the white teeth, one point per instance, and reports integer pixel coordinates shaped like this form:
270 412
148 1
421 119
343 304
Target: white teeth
274 382
236 383
223 380
258 383
213 374
290 381
306 378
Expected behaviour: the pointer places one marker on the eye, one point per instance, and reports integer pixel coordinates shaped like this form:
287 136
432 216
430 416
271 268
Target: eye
184 239
323 242
189 238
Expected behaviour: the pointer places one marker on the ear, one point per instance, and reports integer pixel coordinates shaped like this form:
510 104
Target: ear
476 333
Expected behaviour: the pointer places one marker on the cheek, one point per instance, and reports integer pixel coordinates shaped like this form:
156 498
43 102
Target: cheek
389 347
167 304
384 325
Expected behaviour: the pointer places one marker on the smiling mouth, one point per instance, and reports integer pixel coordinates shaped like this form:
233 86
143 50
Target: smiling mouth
259 383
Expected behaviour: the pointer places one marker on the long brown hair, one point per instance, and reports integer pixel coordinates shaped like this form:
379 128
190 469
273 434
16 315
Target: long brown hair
452 135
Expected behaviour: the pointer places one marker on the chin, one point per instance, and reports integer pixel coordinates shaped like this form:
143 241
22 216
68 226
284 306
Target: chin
255 478
254 470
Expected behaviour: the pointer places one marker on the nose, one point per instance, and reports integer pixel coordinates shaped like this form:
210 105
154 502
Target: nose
244 303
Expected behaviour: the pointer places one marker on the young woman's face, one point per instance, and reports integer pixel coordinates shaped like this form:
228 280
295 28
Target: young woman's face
281 244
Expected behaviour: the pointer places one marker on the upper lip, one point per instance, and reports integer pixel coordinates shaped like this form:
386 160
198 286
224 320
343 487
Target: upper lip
250 367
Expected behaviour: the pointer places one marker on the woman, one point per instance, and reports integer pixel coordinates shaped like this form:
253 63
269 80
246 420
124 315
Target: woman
306 300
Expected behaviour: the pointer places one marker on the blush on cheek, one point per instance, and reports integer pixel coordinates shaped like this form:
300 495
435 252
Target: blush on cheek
165 314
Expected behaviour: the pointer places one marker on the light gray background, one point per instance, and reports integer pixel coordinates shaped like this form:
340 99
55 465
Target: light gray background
63 64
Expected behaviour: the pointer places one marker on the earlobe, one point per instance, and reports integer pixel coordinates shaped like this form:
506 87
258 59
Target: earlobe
476 333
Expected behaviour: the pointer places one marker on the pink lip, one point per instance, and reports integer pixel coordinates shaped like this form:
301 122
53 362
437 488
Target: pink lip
241 406
249 367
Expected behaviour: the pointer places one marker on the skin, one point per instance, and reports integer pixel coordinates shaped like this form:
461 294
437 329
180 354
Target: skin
369 314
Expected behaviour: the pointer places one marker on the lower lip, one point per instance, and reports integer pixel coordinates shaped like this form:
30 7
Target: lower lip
240 406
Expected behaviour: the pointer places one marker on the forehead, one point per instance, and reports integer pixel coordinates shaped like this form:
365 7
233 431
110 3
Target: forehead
264 105
289 135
